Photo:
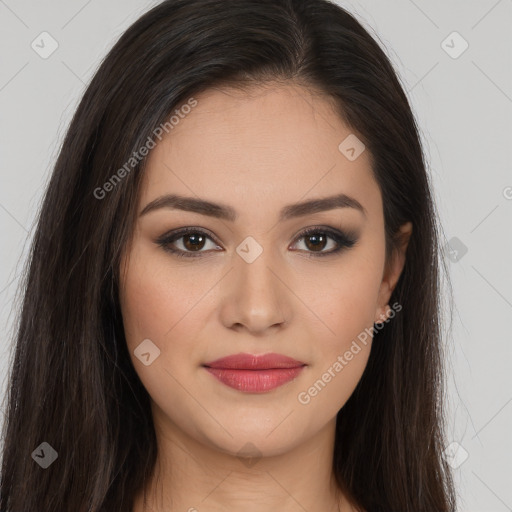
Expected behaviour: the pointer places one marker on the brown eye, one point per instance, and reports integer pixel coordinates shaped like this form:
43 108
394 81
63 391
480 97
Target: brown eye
194 242
188 242
317 239
316 242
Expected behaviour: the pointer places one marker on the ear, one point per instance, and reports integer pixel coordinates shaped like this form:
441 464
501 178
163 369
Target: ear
392 271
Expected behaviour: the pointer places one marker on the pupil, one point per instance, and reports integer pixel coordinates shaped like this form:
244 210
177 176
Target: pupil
194 241
319 241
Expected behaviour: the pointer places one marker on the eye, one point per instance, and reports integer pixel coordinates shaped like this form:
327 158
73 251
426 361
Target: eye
316 239
193 240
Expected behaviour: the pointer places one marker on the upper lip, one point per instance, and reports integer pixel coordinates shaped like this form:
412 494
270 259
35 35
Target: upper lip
243 361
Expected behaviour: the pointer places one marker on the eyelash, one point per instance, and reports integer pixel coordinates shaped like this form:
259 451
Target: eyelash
344 241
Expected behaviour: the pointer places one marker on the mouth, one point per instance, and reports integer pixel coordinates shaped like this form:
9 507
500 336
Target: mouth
255 373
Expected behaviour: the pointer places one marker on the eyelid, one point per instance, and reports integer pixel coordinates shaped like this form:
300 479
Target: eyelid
171 236
345 239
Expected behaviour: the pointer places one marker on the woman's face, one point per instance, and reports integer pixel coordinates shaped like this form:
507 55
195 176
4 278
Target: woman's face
249 280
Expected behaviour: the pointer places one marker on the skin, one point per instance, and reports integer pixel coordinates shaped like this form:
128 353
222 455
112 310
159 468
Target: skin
256 151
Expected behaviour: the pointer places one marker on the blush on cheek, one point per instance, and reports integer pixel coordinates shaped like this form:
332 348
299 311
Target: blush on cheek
161 313
344 317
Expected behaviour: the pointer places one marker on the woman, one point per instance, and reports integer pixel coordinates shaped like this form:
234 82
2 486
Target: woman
232 299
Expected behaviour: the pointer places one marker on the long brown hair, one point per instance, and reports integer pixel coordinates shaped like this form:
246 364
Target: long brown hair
72 383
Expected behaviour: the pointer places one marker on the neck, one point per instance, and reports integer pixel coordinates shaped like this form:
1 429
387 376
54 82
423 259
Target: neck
195 477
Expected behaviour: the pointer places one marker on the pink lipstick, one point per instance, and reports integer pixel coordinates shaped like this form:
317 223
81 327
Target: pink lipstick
255 373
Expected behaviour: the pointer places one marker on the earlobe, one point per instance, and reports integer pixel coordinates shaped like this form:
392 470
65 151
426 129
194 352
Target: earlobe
393 271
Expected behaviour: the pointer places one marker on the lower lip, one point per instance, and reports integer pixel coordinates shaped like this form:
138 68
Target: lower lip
255 381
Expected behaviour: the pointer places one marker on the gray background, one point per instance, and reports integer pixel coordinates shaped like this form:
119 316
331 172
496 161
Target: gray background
463 107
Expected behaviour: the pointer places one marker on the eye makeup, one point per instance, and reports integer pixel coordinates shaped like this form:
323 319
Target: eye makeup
198 236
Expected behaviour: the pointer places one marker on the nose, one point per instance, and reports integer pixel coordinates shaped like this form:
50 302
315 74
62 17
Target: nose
254 296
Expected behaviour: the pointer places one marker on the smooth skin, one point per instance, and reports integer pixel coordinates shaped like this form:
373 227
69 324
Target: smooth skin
255 151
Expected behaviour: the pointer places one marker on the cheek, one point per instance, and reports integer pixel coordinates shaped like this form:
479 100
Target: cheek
343 350
347 310
343 299
160 309
355 298
163 311
155 301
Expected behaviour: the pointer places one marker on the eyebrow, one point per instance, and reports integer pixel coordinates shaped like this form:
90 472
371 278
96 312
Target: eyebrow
225 212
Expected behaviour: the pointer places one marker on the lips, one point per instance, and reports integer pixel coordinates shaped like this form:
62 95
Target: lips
255 373
255 362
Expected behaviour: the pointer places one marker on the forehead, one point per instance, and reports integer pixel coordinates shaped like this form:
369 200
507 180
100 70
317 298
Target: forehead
268 146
